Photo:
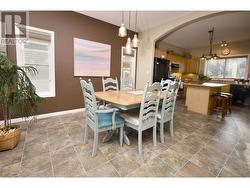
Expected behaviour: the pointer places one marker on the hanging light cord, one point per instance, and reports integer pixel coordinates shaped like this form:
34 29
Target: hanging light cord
123 17
128 23
135 20
211 38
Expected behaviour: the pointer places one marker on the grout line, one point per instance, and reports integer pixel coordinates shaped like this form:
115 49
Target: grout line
51 163
119 175
189 160
230 155
25 139
77 155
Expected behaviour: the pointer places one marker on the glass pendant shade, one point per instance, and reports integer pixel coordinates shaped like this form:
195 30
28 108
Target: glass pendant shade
128 48
135 41
122 31
203 57
215 56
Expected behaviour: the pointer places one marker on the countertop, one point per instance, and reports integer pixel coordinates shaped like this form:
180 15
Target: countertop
206 84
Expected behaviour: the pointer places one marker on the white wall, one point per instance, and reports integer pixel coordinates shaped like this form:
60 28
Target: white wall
147 45
169 47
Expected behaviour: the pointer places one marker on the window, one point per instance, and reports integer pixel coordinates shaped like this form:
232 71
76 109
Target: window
38 52
235 67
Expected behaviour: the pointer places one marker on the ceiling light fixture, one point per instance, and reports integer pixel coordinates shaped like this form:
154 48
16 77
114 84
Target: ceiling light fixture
128 47
225 50
135 39
210 55
122 30
223 43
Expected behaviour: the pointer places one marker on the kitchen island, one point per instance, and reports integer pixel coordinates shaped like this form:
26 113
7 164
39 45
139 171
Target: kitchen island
198 96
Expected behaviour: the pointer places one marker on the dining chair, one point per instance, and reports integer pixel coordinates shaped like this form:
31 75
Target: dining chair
147 116
110 84
99 120
165 84
166 113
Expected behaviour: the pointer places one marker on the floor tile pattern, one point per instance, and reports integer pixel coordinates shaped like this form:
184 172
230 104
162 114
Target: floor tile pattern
202 146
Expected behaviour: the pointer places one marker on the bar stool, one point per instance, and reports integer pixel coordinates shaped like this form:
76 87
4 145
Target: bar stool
219 104
229 102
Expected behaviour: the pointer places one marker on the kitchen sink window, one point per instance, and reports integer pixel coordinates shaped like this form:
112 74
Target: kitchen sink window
234 67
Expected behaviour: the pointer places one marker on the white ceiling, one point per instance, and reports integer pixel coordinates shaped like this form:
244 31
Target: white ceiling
230 27
145 19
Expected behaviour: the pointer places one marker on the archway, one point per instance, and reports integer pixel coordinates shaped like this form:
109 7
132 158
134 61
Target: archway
148 38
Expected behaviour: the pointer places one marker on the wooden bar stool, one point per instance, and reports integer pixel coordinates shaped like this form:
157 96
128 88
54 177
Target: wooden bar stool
229 102
219 104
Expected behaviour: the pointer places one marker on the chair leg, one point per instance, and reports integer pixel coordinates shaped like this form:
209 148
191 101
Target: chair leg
95 144
172 127
140 142
121 136
154 135
230 105
86 134
162 131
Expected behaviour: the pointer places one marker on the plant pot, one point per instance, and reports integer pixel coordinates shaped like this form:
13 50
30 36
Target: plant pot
9 141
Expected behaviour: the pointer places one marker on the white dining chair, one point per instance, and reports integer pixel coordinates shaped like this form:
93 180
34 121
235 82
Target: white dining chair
110 84
165 84
147 116
99 120
166 112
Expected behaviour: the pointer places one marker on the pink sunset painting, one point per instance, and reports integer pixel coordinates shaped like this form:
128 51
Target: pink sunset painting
91 58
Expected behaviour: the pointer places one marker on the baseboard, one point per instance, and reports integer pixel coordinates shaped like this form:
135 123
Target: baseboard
42 116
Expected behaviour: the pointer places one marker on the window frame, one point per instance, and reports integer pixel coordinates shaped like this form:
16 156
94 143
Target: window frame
20 58
247 56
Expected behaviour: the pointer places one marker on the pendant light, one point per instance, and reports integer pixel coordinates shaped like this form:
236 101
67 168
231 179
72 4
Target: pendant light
128 47
122 30
135 39
210 55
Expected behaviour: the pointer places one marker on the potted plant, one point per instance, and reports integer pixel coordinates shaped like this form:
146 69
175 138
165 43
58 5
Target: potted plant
17 96
203 77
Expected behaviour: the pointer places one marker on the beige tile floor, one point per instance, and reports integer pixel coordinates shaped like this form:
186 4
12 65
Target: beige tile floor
201 146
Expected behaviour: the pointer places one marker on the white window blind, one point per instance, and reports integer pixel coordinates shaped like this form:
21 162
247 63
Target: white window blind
38 52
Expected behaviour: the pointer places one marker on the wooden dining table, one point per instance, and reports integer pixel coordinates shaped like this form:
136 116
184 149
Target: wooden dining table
124 100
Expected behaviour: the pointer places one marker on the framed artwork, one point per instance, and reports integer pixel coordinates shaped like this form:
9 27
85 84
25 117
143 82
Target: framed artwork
91 58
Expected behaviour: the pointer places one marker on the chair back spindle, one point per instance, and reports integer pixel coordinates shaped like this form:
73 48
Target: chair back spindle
110 84
149 105
90 102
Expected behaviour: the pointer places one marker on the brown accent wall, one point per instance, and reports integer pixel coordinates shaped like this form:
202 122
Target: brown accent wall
67 25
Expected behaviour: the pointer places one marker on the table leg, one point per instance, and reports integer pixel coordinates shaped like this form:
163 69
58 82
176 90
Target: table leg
125 138
108 136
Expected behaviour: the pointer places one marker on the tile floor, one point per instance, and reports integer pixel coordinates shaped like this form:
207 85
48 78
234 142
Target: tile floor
201 146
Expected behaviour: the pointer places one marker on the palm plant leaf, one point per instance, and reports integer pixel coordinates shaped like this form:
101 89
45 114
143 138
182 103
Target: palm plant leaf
17 93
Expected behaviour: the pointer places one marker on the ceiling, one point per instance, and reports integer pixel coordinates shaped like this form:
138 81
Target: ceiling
145 19
230 27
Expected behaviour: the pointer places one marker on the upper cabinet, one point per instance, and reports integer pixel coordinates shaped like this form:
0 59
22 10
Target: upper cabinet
160 53
193 65
186 64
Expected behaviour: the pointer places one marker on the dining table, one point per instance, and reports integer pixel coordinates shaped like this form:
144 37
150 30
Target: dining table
123 100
